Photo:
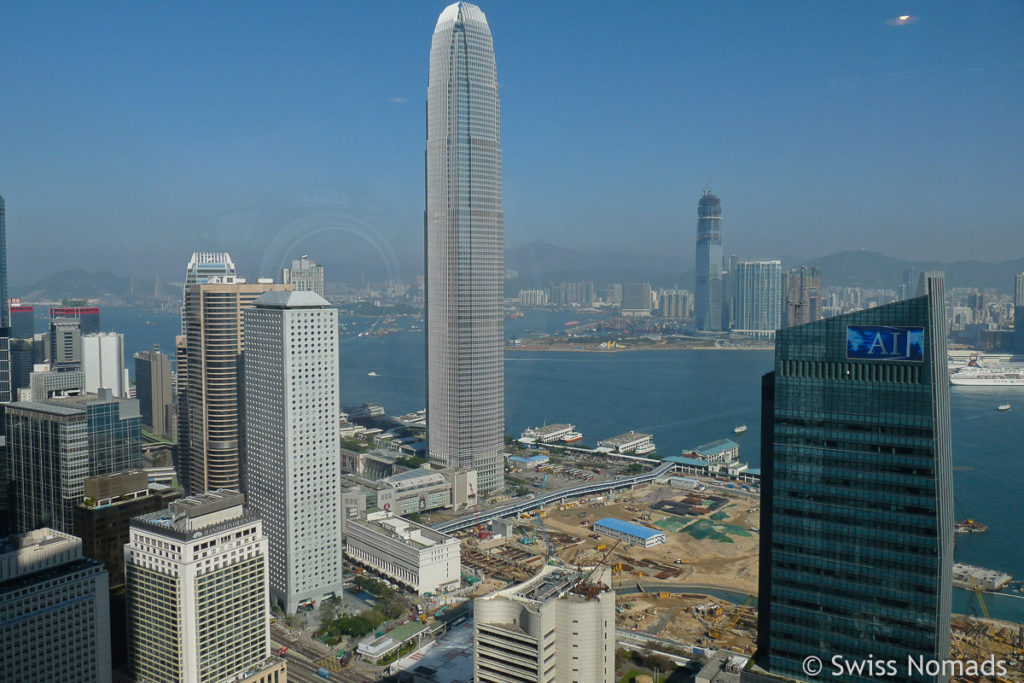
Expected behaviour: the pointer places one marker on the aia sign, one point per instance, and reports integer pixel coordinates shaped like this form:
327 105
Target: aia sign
875 342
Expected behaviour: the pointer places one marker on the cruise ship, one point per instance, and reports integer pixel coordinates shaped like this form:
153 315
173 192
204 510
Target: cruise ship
974 376
551 433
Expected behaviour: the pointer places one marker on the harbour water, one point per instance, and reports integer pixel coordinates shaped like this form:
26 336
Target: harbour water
684 398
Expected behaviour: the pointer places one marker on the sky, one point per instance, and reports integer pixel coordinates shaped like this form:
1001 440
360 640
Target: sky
132 134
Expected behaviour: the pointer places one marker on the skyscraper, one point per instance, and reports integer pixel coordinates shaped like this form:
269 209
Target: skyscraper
214 336
54 445
758 295
196 587
5 315
1018 313
305 274
803 295
52 600
856 517
707 309
88 317
292 403
103 363
464 225
154 391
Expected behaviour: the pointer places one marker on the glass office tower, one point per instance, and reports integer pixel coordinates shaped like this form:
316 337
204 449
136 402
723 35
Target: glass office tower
464 226
707 307
856 518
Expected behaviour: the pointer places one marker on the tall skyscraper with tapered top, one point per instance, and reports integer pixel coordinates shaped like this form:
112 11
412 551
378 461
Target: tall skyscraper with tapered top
5 314
464 226
707 308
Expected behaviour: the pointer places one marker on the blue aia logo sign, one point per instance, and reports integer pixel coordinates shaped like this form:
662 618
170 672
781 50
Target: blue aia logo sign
874 342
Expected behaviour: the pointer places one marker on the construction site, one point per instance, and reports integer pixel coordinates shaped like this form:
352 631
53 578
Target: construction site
711 540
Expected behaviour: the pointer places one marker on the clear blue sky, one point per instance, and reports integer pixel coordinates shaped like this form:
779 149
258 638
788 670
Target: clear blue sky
134 133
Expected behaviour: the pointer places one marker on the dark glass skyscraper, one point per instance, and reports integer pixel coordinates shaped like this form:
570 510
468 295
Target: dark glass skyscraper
5 315
707 308
856 518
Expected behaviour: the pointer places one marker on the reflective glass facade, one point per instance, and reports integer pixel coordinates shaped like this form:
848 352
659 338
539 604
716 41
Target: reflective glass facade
758 295
464 225
856 544
707 308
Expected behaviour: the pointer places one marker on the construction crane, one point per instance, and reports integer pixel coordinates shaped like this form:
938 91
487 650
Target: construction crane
981 599
540 520
481 532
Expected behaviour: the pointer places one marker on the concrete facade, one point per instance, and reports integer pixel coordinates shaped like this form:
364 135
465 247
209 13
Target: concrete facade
415 555
291 401
549 629
197 598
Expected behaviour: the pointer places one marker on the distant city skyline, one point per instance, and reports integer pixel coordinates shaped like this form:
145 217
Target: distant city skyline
154 130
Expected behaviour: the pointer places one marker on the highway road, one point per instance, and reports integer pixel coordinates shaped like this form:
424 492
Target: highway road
304 660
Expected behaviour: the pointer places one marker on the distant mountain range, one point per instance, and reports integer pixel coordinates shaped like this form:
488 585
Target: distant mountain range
539 263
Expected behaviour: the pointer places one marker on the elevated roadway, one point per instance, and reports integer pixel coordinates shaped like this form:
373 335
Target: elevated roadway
553 498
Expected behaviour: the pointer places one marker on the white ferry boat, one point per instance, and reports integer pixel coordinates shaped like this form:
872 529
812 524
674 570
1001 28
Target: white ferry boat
988 377
740 429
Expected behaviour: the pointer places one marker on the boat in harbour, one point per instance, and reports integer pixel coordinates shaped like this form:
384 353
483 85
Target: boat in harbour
740 429
988 377
969 526
1005 406
371 374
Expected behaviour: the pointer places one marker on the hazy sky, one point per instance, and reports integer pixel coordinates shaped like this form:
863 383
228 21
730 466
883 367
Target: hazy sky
132 134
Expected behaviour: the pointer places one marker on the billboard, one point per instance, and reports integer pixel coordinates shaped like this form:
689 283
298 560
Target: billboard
878 342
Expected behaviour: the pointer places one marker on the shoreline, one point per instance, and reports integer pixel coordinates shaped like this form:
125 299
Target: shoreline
566 348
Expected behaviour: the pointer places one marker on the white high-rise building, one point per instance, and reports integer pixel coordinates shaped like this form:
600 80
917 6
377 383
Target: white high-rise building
54 610
103 363
758 295
196 588
305 274
554 628
291 405
464 225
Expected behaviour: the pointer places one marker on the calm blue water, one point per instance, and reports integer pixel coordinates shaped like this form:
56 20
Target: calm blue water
684 398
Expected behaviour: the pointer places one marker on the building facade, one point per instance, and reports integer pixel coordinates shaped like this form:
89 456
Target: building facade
415 555
553 628
758 295
154 390
54 610
23 321
214 338
803 295
856 492
707 304
292 402
306 275
1018 313
197 591
88 317
464 250
64 344
103 363
636 299
53 446
108 505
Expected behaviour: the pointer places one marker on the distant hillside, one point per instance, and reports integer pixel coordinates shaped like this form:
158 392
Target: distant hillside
878 271
75 284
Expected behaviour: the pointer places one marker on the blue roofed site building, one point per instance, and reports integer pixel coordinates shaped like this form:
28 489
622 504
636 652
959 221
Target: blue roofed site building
628 532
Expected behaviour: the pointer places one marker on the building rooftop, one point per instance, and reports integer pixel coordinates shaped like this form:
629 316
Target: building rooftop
417 478
628 527
200 515
291 299
723 667
35 550
628 437
683 460
715 447
49 408
405 530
